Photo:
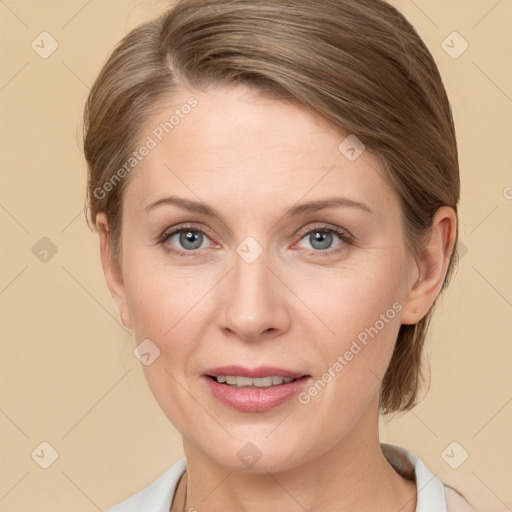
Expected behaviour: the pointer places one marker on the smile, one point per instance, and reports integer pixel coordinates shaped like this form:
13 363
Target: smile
258 382
254 394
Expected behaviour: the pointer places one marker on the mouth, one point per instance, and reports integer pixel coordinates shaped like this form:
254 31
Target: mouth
254 390
249 382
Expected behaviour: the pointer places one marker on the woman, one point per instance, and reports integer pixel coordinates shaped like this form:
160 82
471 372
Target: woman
275 187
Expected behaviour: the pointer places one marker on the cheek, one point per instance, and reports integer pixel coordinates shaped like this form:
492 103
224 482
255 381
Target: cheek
349 300
164 309
161 300
358 319
173 309
352 363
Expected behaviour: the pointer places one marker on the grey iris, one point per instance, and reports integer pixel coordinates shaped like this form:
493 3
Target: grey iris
322 239
189 239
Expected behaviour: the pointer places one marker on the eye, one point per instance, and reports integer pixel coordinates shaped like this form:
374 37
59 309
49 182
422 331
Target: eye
185 240
321 239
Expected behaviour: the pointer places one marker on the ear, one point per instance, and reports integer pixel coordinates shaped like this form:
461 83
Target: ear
112 270
431 267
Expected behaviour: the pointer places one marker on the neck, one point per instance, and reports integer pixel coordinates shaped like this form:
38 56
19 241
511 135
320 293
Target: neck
352 475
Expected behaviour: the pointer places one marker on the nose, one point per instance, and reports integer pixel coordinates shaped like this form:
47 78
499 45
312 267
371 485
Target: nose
256 302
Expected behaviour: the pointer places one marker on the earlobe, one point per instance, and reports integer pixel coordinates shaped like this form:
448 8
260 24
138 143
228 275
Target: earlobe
431 267
112 269
126 321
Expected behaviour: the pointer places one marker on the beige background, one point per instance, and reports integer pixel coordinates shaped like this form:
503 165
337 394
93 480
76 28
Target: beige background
68 374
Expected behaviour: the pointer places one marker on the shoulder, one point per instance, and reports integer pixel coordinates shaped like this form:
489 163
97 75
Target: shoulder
156 497
455 501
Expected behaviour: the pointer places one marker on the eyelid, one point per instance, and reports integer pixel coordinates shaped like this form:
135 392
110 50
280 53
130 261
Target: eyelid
324 226
182 227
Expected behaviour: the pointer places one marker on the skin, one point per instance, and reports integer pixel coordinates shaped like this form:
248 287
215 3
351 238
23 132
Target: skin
252 158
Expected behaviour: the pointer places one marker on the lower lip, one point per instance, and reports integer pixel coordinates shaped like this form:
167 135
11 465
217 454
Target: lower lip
255 400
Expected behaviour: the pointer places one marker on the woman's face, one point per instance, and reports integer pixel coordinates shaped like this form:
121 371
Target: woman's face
261 277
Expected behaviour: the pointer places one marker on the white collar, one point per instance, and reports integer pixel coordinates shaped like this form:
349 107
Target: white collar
430 491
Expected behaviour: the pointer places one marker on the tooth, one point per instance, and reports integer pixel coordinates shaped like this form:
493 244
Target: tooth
243 381
263 382
260 382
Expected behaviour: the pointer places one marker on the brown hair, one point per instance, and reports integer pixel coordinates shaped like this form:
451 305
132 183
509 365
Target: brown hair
357 63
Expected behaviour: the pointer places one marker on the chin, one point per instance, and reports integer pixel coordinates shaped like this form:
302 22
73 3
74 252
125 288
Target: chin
260 457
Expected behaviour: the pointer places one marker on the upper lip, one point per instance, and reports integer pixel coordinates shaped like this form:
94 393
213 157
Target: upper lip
260 371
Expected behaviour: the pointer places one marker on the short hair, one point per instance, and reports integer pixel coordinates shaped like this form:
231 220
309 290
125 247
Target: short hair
357 63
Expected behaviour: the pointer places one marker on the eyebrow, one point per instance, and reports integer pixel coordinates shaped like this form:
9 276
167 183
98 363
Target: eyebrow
312 206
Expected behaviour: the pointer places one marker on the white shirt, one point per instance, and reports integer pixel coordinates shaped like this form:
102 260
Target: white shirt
432 495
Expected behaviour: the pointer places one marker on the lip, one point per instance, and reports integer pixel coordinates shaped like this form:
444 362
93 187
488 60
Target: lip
260 371
254 399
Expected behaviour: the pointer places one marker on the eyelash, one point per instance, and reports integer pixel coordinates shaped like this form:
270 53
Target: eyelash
344 236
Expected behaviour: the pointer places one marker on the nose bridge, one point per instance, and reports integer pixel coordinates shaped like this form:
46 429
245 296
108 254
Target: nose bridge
255 303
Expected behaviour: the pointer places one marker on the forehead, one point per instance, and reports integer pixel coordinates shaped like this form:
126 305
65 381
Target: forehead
234 146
